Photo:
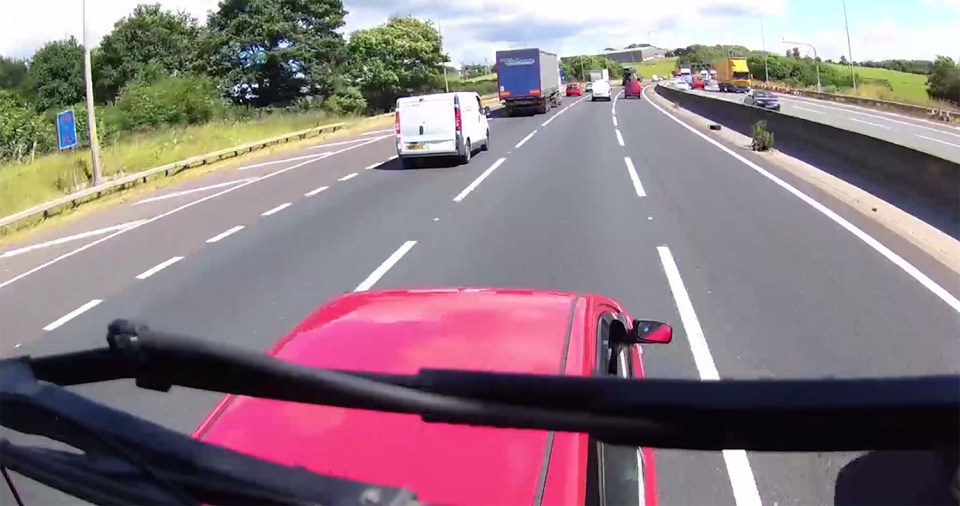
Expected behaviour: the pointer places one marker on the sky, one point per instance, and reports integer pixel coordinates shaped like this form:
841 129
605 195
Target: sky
473 30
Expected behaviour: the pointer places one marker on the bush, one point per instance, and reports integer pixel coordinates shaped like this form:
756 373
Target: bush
762 138
23 134
175 100
349 101
481 87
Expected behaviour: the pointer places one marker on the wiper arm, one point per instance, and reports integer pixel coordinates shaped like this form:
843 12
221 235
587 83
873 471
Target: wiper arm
818 415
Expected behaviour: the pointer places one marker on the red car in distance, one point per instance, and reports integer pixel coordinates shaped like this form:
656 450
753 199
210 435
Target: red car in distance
574 89
402 332
632 88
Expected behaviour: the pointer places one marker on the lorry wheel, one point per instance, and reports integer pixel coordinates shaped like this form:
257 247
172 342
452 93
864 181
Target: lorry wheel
486 142
465 157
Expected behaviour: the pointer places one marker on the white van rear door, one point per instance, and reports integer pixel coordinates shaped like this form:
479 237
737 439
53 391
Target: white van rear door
427 118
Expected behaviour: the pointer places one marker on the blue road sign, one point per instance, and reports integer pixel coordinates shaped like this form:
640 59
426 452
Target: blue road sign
66 129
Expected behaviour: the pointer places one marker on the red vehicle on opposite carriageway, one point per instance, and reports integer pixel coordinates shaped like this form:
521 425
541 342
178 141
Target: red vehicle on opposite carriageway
440 396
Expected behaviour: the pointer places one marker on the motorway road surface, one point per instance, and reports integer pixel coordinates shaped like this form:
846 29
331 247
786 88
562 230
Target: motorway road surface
935 138
758 281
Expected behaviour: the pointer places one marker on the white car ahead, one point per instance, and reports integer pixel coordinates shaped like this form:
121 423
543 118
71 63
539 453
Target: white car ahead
601 90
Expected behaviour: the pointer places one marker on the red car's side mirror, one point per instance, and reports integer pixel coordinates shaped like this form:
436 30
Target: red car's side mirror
642 332
650 332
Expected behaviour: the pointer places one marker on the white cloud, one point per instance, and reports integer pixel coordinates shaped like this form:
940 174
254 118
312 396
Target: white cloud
26 24
886 39
474 30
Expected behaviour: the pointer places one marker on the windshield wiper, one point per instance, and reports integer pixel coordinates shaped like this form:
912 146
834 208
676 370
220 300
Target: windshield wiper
758 415
128 460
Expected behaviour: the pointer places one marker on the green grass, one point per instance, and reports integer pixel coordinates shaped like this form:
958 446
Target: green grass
905 86
486 77
52 176
660 66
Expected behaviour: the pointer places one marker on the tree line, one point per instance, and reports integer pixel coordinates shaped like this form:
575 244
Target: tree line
160 68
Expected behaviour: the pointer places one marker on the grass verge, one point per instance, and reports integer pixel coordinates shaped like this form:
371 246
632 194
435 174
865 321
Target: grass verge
660 66
21 230
904 86
53 176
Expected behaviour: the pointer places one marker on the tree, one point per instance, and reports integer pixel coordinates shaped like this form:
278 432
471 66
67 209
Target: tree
274 51
55 75
12 73
147 44
796 53
843 60
944 81
400 57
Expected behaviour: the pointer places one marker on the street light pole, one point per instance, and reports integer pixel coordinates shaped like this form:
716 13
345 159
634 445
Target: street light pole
816 60
766 56
446 84
91 114
853 75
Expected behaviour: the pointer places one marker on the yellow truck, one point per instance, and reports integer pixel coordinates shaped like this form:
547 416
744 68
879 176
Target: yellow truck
733 74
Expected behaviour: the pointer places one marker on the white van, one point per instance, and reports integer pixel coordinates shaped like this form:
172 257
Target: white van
443 124
601 89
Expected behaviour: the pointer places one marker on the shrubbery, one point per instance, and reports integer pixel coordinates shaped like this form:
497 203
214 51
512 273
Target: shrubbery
173 101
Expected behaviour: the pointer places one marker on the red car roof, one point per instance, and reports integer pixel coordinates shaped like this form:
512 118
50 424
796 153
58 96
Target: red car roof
402 332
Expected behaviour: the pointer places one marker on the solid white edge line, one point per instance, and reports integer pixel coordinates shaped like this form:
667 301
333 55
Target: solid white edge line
525 139
315 191
277 209
387 264
808 110
225 233
938 140
340 143
476 182
897 260
619 137
61 240
348 177
72 314
275 162
745 491
376 132
176 210
159 267
634 177
885 127
192 190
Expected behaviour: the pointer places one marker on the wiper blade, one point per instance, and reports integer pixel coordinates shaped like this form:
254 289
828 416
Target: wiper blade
109 480
759 415
167 462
